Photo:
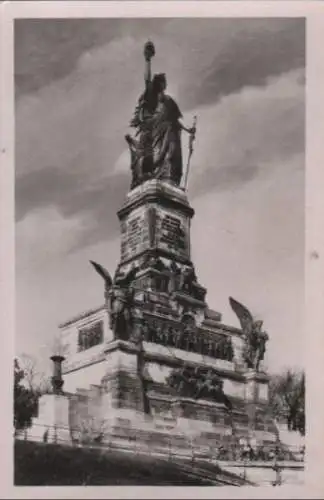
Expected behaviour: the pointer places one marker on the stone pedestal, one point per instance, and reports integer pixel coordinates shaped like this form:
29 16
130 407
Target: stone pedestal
256 386
155 220
256 394
251 386
123 398
52 423
200 418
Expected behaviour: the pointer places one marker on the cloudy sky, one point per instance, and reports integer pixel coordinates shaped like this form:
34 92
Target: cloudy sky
77 82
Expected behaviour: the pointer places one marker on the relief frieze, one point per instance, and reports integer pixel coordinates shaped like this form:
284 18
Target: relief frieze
191 339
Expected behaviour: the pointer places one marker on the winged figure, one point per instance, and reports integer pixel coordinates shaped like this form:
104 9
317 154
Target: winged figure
255 338
123 280
103 273
245 317
118 300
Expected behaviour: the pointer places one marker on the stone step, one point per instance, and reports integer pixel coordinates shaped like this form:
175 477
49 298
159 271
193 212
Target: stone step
82 392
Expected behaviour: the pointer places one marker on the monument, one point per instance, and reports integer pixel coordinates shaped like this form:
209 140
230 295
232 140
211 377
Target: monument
155 361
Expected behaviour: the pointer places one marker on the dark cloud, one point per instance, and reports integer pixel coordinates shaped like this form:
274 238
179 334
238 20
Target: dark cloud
241 52
250 59
101 204
224 178
74 195
48 49
50 186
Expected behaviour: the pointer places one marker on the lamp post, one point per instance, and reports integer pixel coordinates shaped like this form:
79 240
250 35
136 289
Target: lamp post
276 468
253 444
244 447
228 433
57 380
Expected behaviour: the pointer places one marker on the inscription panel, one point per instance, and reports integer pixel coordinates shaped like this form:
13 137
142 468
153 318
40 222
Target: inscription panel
172 232
134 234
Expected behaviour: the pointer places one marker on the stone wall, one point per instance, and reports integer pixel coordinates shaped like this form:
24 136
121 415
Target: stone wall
86 376
69 339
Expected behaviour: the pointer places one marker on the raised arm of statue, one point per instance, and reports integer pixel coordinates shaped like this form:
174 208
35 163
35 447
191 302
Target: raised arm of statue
144 105
149 52
190 130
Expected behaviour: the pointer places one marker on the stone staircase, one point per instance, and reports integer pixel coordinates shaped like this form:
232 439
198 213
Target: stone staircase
212 473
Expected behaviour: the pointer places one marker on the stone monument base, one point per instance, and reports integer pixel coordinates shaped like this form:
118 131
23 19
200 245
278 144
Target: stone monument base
52 423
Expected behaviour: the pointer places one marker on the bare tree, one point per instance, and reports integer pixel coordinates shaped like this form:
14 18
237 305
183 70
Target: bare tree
35 379
287 399
91 430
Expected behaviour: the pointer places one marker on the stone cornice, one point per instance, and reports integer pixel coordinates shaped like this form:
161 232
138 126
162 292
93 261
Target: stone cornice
229 329
81 316
185 298
170 255
175 362
122 346
83 363
183 400
156 192
257 376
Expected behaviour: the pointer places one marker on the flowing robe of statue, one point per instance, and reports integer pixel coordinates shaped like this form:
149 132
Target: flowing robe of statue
141 147
166 140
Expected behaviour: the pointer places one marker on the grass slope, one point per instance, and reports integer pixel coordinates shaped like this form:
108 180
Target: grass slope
39 464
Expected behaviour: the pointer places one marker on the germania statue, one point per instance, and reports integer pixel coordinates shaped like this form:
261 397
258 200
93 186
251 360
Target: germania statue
156 148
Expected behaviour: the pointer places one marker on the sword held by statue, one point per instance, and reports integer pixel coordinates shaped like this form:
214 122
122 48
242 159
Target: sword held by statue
191 141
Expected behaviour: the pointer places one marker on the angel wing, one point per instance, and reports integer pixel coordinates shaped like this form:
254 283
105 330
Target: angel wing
258 325
243 314
103 273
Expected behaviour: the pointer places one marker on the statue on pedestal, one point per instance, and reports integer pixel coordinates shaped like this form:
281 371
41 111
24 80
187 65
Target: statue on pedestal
156 148
255 339
119 299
